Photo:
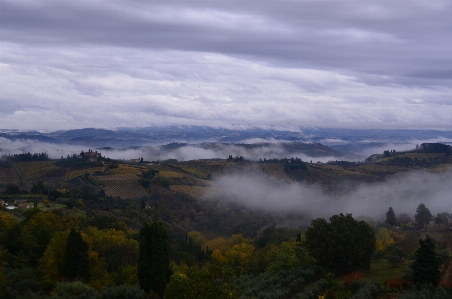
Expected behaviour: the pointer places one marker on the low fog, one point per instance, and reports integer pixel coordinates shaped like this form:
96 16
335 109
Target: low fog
156 153
272 149
221 151
404 192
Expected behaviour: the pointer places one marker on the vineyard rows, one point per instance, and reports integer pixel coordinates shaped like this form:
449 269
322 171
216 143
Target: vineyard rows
125 187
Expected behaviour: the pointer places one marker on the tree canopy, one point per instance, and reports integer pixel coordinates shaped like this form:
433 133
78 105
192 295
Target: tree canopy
343 245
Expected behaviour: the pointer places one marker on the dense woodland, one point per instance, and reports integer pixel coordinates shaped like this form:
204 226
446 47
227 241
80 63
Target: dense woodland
101 228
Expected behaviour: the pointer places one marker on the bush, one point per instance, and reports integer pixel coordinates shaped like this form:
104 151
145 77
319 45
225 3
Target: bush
122 292
368 290
76 290
426 292
20 282
314 290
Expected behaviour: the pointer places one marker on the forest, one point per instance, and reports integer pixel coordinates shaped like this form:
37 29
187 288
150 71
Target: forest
79 227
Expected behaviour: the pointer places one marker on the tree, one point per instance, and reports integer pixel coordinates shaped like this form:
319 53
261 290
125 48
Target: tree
426 265
422 216
442 218
384 239
39 188
402 219
390 217
343 245
76 260
153 262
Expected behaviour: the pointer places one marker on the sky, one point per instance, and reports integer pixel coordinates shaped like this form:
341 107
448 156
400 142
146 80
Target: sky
316 63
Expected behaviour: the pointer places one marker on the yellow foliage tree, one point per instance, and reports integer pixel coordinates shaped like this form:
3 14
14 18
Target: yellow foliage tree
197 237
239 254
384 239
224 245
37 233
218 257
52 261
115 254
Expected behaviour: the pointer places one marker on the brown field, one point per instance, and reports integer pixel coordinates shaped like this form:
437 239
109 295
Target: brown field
125 187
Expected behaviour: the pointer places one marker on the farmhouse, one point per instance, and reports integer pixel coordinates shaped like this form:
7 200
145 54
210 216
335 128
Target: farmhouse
20 203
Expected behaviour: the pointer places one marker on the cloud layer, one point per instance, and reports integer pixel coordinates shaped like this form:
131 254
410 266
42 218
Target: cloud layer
377 64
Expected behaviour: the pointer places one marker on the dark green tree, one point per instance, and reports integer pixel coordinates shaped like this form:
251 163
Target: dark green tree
343 245
153 262
76 261
422 216
39 188
390 217
426 265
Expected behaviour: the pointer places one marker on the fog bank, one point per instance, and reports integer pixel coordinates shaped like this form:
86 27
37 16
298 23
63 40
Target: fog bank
403 192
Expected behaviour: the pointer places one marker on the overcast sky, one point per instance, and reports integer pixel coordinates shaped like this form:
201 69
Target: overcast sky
107 63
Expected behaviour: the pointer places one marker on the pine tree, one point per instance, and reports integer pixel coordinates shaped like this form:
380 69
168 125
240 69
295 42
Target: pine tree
153 262
76 260
390 217
426 266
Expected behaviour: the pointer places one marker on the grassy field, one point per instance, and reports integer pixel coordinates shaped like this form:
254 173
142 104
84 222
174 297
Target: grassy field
382 270
193 191
8 175
34 170
126 170
76 173
196 172
170 174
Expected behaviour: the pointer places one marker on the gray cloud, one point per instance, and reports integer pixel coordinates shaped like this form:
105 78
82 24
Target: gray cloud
381 64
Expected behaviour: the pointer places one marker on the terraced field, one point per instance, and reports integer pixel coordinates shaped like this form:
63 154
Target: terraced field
125 187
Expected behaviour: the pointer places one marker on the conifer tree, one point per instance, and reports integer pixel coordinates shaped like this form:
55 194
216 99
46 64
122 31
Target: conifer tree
76 261
426 266
390 217
153 262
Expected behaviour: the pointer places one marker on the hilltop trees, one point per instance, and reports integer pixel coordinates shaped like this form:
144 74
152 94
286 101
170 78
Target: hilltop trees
343 245
153 262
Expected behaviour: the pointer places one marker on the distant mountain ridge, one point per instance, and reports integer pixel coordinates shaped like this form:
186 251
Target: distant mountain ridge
129 137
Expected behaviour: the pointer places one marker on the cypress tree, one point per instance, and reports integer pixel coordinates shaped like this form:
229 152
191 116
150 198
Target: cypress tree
153 262
390 217
76 260
426 266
